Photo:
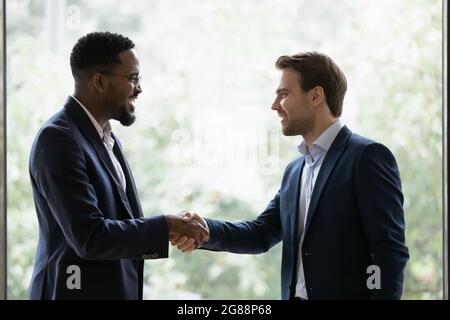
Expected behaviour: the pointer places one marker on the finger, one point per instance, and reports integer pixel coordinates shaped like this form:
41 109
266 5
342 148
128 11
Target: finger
194 246
186 245
204 232
190 249
179 241
195 216
201 233
187 217
203 223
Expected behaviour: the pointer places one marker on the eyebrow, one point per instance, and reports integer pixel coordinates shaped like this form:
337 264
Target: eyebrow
281 90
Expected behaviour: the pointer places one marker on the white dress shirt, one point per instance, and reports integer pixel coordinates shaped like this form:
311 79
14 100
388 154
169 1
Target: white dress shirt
108 141
314 156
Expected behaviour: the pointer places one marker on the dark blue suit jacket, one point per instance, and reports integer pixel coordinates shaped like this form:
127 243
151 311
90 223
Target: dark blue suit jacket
355 220
85 217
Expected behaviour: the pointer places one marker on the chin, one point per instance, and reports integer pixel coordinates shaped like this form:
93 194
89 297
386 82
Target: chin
286 131
127 119
290 132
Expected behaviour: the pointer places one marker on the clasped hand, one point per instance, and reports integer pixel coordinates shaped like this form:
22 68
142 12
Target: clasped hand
191 231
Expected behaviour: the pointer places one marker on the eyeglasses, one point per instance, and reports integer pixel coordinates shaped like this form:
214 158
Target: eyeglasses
134 79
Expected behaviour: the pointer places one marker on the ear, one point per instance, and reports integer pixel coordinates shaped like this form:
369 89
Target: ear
100 82
317 96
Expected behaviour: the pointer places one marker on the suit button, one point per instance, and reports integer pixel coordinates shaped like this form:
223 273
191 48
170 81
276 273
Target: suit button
310 288
308 253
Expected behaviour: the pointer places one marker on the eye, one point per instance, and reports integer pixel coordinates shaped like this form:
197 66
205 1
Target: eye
135 79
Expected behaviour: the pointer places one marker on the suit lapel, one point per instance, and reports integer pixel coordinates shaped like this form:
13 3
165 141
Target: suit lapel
331 158
91 134
132 194
294 197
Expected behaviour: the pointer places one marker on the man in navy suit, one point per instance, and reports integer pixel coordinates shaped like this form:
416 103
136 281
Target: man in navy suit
93 238
339 208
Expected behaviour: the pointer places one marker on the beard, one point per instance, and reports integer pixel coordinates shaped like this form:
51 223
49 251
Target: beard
120 113
126 118
121 110
299 126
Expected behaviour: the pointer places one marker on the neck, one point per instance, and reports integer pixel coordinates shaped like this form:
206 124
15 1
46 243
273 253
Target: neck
318 128
92 106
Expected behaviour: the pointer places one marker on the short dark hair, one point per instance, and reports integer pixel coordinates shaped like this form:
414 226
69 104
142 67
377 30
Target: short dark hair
317 69
98 49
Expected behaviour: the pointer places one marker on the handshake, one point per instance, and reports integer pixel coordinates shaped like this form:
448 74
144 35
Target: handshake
187 231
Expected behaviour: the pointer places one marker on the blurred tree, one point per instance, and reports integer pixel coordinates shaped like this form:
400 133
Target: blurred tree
2 162
400 103
208 82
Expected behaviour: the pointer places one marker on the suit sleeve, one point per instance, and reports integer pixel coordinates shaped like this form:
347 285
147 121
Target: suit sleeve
380 203
58 170
250 237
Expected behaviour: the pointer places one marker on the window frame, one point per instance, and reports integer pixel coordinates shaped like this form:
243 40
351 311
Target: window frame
3 283
446 151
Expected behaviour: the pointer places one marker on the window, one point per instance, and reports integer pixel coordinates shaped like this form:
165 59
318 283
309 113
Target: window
2 171
206 139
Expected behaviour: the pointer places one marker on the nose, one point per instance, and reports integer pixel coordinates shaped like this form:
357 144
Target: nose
138 88
275 105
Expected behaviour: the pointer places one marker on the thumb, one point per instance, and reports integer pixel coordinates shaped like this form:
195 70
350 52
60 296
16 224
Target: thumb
188 216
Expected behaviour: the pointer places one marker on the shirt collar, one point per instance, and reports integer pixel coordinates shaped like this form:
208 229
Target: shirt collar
322 143
105 131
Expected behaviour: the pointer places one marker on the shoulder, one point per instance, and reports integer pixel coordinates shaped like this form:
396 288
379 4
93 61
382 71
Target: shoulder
365 146
55 139
59 126
369 151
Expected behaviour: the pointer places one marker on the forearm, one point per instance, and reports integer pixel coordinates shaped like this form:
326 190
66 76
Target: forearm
247 237
107 239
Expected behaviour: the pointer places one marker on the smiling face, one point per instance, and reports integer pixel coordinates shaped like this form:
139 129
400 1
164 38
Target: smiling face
123 89
293 105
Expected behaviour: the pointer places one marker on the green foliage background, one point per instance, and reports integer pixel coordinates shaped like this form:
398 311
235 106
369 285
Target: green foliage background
208 73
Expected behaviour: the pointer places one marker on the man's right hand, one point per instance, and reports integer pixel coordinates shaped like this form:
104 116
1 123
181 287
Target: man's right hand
181 228
185 243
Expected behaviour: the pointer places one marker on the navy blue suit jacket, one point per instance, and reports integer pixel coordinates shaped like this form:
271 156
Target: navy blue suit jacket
355 219
85 217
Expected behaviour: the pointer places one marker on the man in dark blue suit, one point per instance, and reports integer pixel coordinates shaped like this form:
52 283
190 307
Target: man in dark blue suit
93 238
339 208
